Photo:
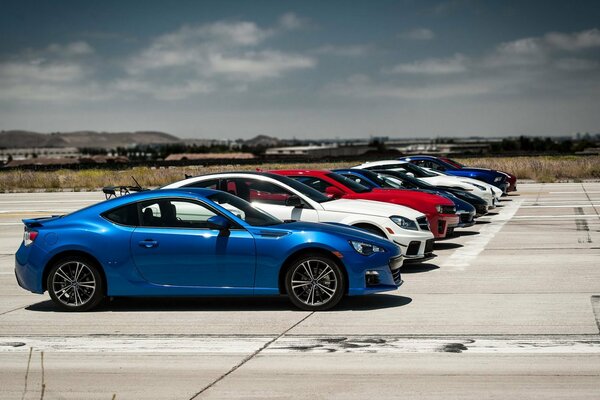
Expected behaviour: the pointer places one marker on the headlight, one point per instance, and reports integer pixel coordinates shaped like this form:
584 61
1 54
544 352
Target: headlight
405 223
446 209
366 249
497 179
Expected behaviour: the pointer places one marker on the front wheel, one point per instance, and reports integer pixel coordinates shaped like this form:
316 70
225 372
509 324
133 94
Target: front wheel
315 283
75 284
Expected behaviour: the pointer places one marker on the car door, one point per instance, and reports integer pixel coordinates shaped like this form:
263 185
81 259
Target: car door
174 246
271 197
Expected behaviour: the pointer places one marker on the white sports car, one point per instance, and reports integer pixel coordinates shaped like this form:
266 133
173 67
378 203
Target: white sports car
486 191
288 199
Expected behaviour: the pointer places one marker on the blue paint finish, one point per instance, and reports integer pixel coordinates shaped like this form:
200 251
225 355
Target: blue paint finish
490 176
183 261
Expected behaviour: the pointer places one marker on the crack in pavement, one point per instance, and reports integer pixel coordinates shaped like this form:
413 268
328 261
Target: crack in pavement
248 358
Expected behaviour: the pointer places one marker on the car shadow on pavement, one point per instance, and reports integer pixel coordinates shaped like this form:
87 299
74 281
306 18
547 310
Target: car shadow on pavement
482 222
178 304
470 233
446 246
372 302
418 268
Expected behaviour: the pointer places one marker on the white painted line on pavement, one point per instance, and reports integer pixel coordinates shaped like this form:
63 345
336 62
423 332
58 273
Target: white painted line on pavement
301 344
576 216
564 206
462 257
384 344
578 192
51 201
133 344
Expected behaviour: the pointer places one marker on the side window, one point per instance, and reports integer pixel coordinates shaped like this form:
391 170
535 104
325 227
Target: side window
315 183
209 184
125 215
266 192
166 213
359 180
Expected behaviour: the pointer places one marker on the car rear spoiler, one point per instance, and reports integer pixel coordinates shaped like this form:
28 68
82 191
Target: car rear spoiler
37 222
117 191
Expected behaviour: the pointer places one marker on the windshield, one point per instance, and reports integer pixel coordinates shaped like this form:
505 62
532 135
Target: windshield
349 183
309 192
453 162
418 172
409 181
243 210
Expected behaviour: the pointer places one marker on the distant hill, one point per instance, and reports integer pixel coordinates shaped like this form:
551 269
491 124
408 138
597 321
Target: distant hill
26 139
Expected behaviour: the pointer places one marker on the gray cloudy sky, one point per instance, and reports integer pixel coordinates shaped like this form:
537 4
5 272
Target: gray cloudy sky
306 69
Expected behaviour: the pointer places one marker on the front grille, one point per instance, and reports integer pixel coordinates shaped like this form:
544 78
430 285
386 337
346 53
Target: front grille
413 248
396 276
448 210
429 246
483 209
441 227
395 264
423 224
466 218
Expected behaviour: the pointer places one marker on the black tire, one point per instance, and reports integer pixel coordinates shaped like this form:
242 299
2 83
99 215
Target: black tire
75 284
315 283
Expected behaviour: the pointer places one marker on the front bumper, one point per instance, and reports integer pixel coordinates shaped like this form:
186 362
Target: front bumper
418 252
466 220
441 223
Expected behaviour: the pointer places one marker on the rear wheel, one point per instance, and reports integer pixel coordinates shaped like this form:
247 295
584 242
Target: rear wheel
315 283
75 284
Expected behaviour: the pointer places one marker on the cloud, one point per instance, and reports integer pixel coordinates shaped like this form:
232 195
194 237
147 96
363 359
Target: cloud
229 50
432 66
71 49
530 66
258 65
291 21
342 50
540 50
419 34
361 86
576 64
574 41
57 73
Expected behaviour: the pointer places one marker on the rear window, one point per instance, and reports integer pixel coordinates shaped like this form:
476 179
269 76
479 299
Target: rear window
125 215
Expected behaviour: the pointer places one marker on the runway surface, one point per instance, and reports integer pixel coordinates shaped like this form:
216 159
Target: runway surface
508 309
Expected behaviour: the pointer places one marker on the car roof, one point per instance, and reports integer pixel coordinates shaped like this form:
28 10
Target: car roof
149 194
301 171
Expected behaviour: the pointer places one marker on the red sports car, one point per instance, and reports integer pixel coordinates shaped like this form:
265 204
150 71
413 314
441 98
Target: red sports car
440 211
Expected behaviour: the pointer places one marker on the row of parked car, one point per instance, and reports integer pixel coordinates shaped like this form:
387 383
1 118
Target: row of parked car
310 234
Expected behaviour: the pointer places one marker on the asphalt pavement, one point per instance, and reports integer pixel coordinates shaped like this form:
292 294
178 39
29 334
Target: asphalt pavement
508 309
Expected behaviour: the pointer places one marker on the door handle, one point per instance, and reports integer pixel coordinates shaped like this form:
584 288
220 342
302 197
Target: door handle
148 243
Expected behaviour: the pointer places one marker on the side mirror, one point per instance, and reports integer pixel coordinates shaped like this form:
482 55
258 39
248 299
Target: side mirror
293 201
219 223
334 192
410 174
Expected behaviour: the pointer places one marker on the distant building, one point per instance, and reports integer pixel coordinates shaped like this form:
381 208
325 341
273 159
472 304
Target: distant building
41 152
208 156
445 148
313 151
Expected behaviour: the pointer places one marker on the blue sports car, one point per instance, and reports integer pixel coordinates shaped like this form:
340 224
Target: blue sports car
198 242
490 176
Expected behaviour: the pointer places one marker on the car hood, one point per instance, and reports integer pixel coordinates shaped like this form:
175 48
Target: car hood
346 231
487 171
368 207
411 195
